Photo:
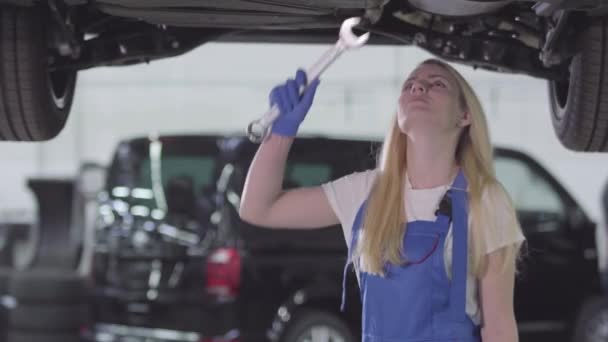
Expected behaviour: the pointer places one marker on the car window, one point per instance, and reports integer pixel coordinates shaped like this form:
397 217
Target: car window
199 168
193 172
530 191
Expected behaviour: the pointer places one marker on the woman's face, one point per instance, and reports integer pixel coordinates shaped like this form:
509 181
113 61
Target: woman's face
429 103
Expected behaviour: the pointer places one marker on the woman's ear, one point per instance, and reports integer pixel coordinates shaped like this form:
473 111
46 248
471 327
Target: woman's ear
465 119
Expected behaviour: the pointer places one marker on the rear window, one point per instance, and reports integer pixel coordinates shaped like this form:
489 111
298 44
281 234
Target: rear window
188 166
199 168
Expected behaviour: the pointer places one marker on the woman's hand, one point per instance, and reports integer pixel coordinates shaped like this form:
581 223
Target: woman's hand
292 107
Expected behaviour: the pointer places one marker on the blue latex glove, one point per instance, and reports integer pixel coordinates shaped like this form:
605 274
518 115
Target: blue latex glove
292 107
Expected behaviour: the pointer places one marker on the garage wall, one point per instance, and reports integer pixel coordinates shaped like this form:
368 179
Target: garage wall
221 87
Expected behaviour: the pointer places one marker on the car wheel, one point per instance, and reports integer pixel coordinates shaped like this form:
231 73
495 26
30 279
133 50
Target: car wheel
5 275
34 101
317 326
592 321
579 103
48 286
30 336
24 250
47 317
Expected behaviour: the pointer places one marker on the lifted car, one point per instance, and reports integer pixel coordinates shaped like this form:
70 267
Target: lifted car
44 43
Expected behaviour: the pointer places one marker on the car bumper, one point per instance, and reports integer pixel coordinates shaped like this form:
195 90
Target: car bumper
107 332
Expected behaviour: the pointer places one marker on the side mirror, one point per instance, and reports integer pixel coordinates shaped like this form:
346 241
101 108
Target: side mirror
577 218
537 221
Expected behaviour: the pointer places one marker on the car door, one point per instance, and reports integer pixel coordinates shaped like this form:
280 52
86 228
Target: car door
557 267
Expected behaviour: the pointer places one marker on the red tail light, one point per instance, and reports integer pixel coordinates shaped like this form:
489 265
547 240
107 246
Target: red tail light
224 272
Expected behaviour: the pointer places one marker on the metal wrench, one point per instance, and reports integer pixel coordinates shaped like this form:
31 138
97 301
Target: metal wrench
258 129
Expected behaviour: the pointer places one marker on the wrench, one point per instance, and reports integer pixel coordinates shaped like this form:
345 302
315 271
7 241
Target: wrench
259 129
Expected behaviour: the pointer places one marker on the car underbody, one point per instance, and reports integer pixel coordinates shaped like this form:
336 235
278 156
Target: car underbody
506 36
562 41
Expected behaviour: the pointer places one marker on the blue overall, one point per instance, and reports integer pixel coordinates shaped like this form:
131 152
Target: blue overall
415 301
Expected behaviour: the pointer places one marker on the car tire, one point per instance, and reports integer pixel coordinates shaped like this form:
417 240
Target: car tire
5 275
579 103
23 336
23 251
316 325
47 318
592 321
34 102
47 286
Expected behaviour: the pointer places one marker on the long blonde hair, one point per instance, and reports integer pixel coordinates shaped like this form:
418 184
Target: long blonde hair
381 239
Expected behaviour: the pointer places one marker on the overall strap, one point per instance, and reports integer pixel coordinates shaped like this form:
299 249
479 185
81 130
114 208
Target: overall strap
353 241
458 194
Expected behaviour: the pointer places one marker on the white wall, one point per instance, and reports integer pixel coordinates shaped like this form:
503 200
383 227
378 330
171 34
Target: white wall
221 87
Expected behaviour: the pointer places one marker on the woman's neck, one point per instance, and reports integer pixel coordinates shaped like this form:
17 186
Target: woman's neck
430 163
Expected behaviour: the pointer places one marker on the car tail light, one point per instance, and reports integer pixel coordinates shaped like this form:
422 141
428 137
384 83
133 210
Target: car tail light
224 272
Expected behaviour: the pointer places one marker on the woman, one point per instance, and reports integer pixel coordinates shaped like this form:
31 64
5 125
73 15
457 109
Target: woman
432 234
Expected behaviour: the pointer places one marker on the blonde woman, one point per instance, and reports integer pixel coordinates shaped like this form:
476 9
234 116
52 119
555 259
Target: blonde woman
432 234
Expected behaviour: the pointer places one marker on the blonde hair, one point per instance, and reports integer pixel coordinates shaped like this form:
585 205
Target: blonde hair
381 240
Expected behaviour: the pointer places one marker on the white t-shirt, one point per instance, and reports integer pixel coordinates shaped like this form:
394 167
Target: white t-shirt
346 195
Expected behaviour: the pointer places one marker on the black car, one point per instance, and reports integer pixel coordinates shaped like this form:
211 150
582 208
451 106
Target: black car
241 282
229 283
45 44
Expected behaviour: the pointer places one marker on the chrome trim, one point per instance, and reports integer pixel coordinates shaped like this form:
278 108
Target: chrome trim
106 332
110 332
